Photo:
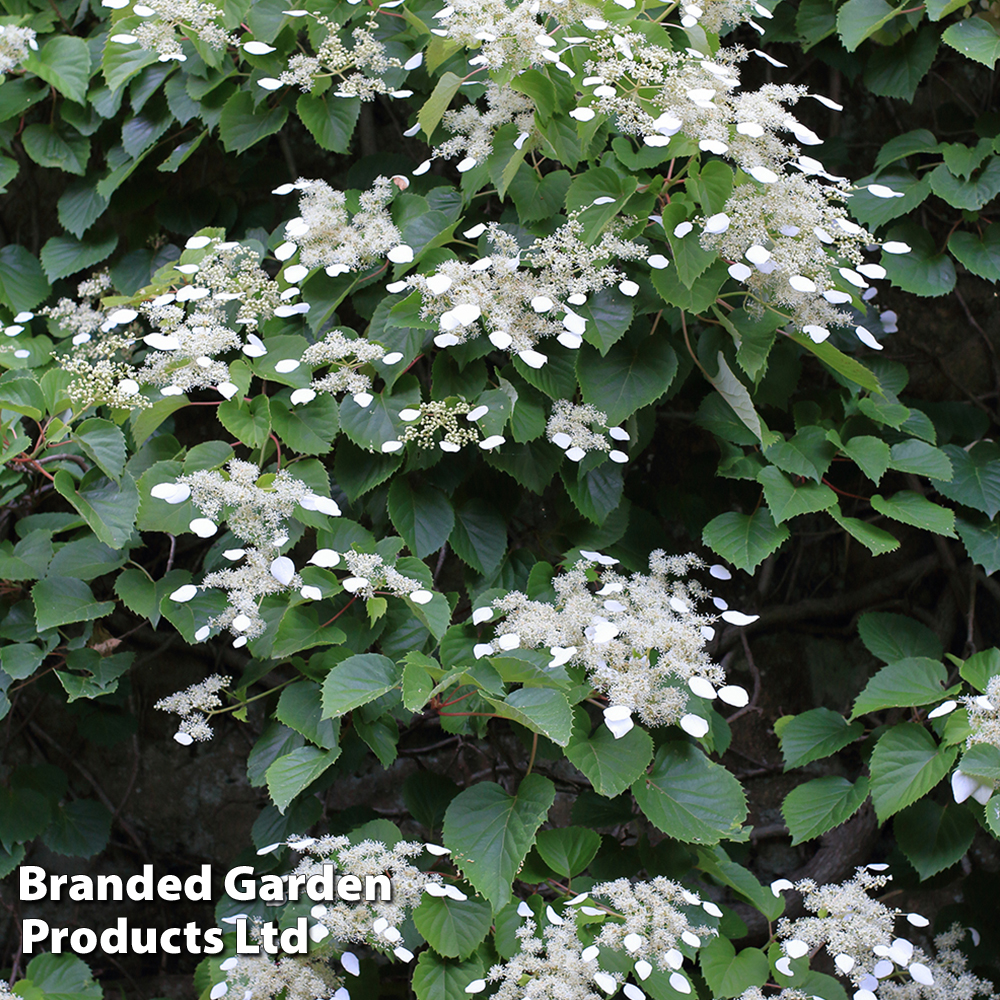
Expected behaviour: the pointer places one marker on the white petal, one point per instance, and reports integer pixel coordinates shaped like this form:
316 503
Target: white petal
738 618
701 687
482 649
718 223
866 338
844 962
534 359
185 739
350 963
881 191
606 982
476 986
680 982
258 48
896 246
695 725
203 527
283 569
184 594
784 966
401 254
632 942
682 229
739 271
917 920
325 558
311 593
421 596
481 615
493 441
643 969
921 974
796 948
629 288
733 694
353 584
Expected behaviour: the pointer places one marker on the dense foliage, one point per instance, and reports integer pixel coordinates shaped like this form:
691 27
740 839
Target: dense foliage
437 377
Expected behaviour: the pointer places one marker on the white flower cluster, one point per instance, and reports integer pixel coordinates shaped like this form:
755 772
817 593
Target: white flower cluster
511 35
326 235
474 130
165 18
639 637
256 514
370 574
375 923
15 43
645 920
984 714
857 932
195 704
570 427
348 355
425 421
655 920
261 977
520 306
779 237
193 325
334 59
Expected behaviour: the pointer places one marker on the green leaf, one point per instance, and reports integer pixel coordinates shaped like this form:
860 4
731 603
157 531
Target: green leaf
108 507
250 423
859 19
608 315
970 194
703 291
717 864
976 478
634 373
568 850
54 146
595 492
785 500
870 454
735 393
981 539
873 211
911 508
453 928
422 514
745 540
815 20
22 282
436 105
981 760
913 681
241 126
975 38
541 710
918 141
64 61
310 430
436 978
62 976
937 9
85 559
479 536
121 61
104 444
60 600
370 426
79 829
489 832
921 459
729 974
923 271
980 667
980 256
538 197
181 153
330 120
689 797
896 70
65 255
22 394
301 628
356 681
934 837
816 734
610 764
893 637
300 708
816 806
596 185
905 765
295 771
80 206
